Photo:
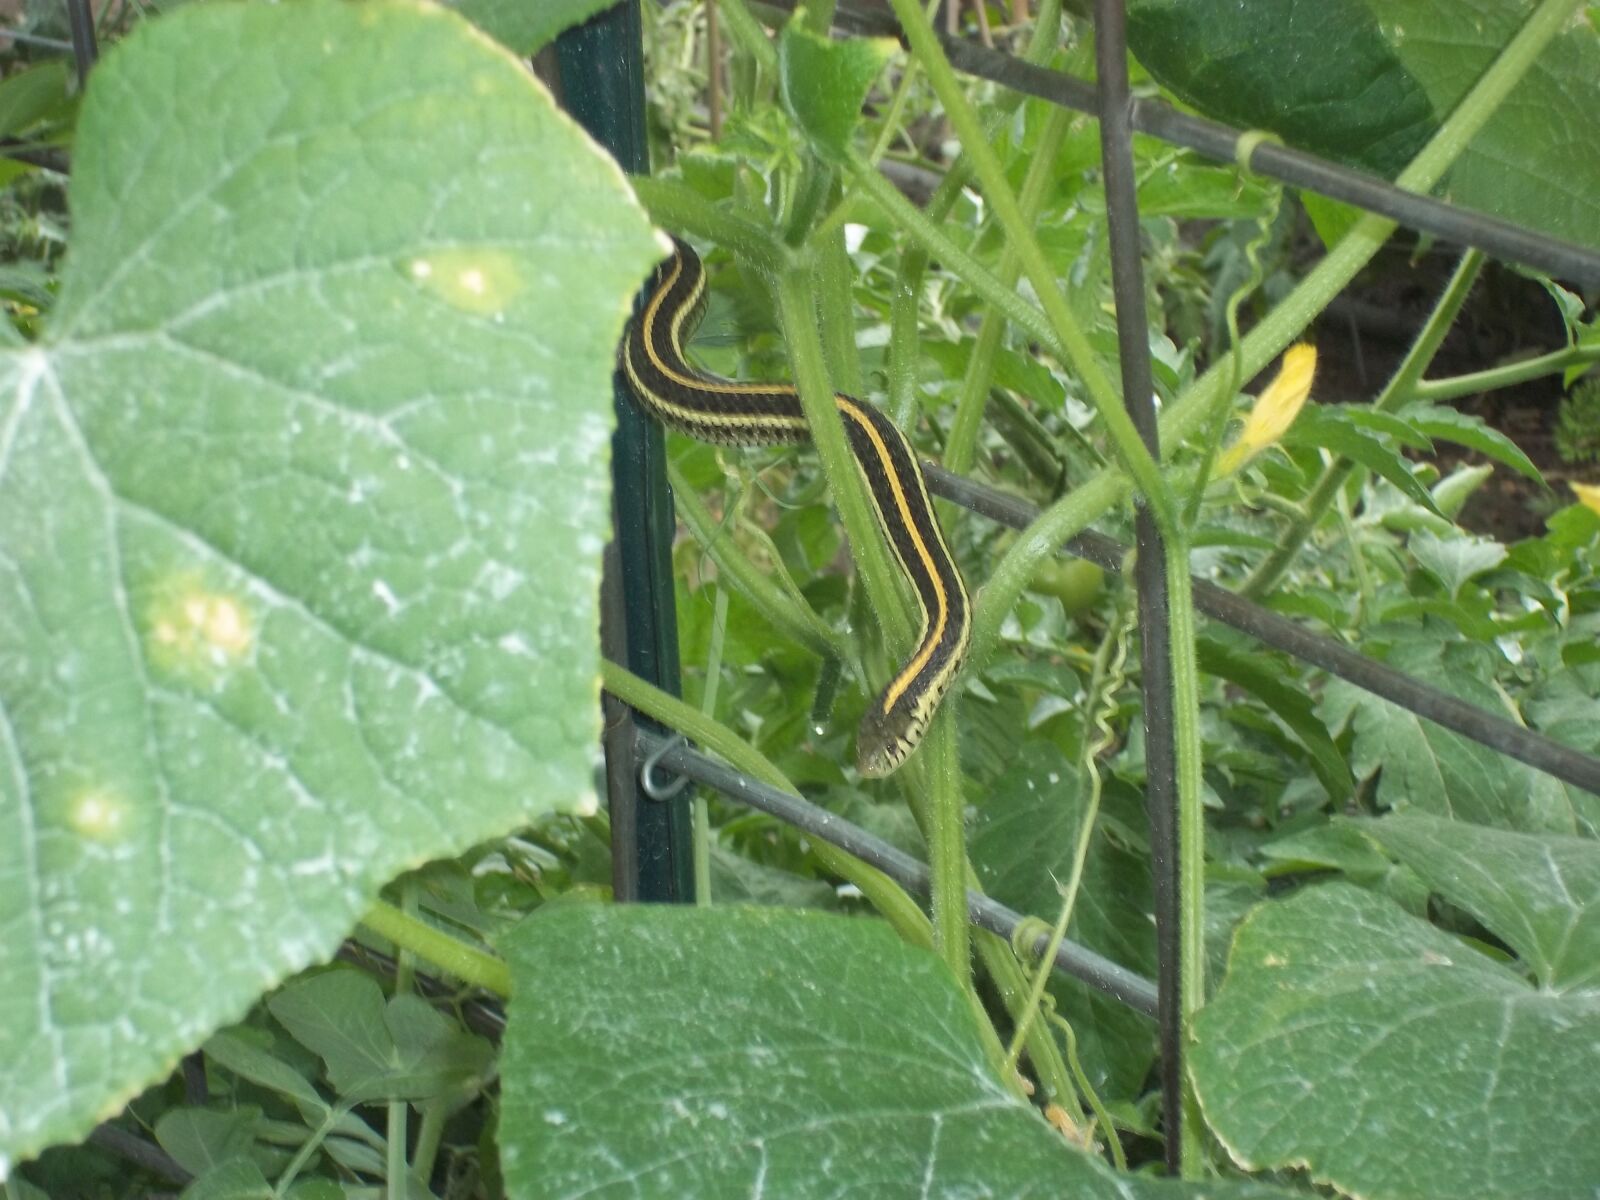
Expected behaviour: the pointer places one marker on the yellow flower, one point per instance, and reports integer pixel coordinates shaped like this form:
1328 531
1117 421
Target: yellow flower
1588 494
1275 409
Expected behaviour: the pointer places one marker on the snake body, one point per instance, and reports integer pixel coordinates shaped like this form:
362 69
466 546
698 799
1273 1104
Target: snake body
714 409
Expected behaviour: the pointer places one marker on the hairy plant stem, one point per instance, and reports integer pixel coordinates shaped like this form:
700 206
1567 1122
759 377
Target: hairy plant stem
1188 751
905 307
947 843
961 446
700 810
836 308
397 1180
1509 375
451 955
1400 389
750 35
1080 356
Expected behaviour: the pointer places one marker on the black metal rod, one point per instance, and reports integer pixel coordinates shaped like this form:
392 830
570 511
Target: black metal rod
33 39
1150 569
84 50
1072 959
1542 753
1492 235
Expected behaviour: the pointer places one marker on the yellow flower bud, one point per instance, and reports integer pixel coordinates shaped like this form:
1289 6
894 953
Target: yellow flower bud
1588 494
1275 409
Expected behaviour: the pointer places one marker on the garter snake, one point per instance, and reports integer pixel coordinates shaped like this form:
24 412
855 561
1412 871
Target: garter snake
713 409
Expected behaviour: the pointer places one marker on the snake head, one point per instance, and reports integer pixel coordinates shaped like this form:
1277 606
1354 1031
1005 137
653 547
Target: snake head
884 741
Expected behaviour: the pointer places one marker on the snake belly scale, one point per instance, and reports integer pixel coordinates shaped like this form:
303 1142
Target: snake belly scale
712 409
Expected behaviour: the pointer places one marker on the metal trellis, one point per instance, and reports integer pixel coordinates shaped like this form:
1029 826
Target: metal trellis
1121 115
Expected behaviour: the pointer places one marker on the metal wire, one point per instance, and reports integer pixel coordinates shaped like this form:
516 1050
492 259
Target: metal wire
1563 762
33 39
1150 570
1492 235
1078 961
84 48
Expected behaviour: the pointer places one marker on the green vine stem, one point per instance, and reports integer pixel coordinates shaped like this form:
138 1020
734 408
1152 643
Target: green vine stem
1400 388
1106 677
1189 753
451 955
1455 386
947 845
781 610
1010 979
836 309
700 809
751 37
961 446
1080 355
430 1133
1217 419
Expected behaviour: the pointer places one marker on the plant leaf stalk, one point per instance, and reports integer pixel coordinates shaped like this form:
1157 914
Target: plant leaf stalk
451 955
961 446
1509 375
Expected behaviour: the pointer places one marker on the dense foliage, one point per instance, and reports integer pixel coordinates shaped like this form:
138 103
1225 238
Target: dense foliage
301 511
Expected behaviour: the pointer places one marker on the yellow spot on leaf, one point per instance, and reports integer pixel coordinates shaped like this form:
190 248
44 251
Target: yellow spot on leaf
99 814
197 630
478 281
1588 495
1275 409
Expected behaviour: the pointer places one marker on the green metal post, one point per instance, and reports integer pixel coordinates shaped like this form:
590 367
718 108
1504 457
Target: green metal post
602 84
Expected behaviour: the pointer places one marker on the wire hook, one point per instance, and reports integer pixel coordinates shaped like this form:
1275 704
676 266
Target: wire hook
647 771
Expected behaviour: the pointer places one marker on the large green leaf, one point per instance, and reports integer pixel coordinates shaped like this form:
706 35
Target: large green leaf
656 1051
373 1048
1368 81
1538 894
826 82
302 496
1425 768
1394 1061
